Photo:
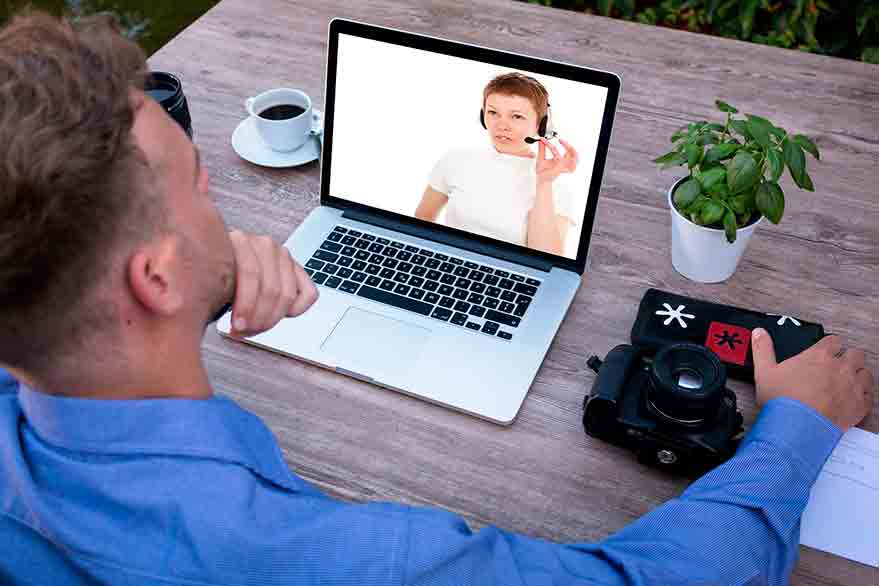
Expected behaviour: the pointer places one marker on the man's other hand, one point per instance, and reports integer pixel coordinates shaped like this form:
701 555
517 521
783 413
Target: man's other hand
269 284
827 377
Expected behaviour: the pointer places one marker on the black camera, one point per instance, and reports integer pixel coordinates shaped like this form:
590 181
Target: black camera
673 410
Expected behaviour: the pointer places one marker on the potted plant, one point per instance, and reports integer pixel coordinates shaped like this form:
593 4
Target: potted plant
732 185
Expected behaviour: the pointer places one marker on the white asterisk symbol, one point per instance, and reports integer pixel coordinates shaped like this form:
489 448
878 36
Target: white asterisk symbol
783 318
675 314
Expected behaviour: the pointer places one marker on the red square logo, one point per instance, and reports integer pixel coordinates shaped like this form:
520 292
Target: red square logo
729 342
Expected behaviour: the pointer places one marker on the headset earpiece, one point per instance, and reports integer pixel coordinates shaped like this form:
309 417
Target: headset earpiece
482 118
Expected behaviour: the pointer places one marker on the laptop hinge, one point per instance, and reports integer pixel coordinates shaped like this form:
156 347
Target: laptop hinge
449 240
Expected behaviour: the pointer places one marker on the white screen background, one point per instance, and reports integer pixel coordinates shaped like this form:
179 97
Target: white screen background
398 110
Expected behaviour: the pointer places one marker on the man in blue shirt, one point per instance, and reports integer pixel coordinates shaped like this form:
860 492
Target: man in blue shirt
120 466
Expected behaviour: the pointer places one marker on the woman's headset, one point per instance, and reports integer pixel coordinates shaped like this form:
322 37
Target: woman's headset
545 129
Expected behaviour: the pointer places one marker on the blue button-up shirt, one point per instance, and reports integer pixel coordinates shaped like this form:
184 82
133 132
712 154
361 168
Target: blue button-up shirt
196 492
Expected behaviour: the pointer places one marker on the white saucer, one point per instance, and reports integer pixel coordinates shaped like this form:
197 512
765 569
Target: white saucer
251 147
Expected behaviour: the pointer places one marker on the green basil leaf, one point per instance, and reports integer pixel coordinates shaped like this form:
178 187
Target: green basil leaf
729 226
742 172
694 155
807 145
720 152
711 213
686 193
716 127
741 127
724 107
713 176
796 161
759 129
666 158
719 190
778 133
776 163
807 182
770 201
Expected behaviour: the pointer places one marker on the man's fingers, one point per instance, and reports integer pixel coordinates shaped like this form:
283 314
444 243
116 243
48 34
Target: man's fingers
854 357
246 282
541 151
289 286
764 352
307 291
268 256
555 152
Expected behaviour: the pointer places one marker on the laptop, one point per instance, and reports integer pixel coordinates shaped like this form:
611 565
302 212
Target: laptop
435 280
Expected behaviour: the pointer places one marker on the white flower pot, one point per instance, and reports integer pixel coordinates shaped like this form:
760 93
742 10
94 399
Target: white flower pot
700 253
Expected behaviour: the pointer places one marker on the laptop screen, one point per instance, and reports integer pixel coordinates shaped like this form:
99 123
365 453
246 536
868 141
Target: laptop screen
442 138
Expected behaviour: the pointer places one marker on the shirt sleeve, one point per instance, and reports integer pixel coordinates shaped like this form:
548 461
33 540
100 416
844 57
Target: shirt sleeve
736 526
439 175
7 383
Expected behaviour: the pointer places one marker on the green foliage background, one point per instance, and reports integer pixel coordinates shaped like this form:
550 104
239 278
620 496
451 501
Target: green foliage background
842 28
151 22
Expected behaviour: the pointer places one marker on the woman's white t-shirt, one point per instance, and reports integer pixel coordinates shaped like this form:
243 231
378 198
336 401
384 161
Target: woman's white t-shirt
491 193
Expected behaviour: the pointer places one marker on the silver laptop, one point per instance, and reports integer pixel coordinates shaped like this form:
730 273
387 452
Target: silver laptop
435 279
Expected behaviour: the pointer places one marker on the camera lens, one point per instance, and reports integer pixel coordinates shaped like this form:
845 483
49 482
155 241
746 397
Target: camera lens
687 383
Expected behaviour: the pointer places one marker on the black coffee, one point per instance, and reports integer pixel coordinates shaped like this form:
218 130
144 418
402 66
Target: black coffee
282 112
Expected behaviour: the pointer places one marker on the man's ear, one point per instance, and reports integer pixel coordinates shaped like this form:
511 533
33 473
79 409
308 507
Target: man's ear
153 275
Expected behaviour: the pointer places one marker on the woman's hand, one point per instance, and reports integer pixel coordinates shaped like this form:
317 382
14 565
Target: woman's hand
549 169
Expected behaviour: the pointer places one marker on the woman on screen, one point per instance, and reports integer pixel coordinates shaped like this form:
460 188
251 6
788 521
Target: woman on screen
507 191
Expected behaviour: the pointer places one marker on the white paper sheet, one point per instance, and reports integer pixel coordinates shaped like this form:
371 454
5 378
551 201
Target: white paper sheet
842 516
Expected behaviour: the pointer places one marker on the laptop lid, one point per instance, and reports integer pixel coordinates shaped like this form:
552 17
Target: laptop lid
429 137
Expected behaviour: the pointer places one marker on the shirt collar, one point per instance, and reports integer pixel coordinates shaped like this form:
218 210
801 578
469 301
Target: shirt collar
214 428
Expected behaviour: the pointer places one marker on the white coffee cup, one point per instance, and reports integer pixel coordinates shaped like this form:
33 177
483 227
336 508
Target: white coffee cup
286 134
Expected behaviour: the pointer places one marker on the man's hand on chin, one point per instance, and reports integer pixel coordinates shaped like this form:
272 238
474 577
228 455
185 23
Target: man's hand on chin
269 284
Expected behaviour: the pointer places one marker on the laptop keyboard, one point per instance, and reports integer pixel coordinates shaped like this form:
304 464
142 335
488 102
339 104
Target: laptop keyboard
454 290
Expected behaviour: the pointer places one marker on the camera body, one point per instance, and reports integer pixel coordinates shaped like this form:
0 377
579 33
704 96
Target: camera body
674 410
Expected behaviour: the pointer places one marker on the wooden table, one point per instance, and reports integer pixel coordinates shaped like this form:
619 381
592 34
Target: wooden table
543 476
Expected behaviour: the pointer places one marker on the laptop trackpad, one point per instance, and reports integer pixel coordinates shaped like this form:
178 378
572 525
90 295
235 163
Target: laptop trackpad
373 345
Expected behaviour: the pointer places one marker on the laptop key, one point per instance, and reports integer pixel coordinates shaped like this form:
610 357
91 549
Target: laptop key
476 298
334 236
501 273
349 286
325 255
358 277
472 325
463 283
460 294
404 255
432 263
518 278
523 299
375 247
361 244
459 319
445 289
373 281
333 282
402 289
397 244
425 252
507 307
435 275
387 285
505 335
440 313
410 248
525 289
430 285
361 255
349 240
490 280
416 293
376 259
456 261
405 267
344 273
486 269
315 264
447 279
355 233
477 287
462 272
506 284
345 261
471 265
390 263
382 240
418 259
462 306
493 292
319 278
387 273
309 272
349 251
533 282
358 265
419 271
475 275
504 318
491 303
446 302
416 281
477 311
520 310
441 256
372 269
401 278
368 237
390 252
340 229
447 267
330 269
431 298
508 295
490 327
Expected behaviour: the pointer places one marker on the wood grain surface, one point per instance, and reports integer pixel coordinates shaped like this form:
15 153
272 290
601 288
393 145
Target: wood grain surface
543 476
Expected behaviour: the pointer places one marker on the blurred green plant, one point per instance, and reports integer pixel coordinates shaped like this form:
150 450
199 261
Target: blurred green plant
734 169
842 29
133 24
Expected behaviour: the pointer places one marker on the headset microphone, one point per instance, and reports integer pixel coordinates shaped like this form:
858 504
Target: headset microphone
549 135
